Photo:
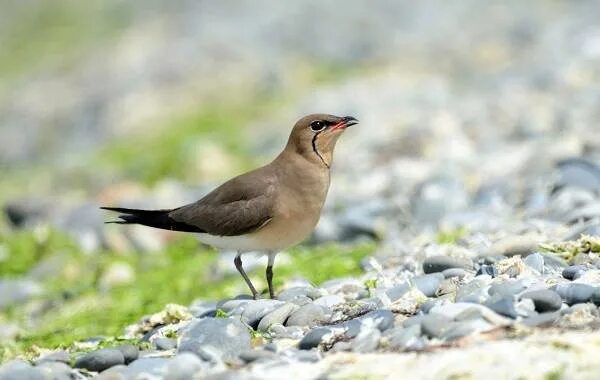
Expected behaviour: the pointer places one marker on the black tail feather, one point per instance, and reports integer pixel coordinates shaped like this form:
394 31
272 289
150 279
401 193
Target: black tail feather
151 218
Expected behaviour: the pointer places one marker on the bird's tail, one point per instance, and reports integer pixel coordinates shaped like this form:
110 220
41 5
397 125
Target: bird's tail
151 218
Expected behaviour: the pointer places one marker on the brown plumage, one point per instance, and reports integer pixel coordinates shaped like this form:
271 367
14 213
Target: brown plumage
268 209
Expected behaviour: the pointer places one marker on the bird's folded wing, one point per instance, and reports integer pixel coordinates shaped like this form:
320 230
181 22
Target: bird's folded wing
240 206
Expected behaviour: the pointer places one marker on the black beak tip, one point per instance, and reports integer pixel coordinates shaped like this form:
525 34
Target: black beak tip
349 120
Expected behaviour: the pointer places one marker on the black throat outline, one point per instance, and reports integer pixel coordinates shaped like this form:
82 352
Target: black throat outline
314 146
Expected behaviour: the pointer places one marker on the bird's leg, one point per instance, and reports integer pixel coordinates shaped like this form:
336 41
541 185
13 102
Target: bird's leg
238 265
270 274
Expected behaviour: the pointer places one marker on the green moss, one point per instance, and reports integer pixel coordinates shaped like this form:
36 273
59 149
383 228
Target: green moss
184 272
567 250
451 236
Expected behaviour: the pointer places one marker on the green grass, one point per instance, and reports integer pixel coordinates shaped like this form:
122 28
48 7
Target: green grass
78 309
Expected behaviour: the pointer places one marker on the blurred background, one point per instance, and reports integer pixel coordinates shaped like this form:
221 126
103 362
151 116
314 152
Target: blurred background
475 116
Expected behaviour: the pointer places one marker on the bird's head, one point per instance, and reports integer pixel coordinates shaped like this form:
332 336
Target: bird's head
314 136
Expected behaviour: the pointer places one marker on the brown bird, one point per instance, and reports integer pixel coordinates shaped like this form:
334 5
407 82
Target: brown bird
267 209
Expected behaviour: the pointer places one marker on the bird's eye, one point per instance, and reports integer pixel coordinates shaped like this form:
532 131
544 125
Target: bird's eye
317 126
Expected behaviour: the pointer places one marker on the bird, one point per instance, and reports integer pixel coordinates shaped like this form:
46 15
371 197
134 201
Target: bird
266 210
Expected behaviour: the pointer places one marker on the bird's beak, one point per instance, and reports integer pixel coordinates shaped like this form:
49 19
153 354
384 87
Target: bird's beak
345 123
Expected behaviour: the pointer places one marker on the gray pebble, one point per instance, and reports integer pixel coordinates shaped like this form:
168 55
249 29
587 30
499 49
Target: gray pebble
406 338
254 311
277 316
147 368
509 288
435 326
100 360
129 351
573 272
306 291
250 356
574 293
366 341
503 306
314 338
542 319
545 300
54 370
428 284
535 261
56 356
440 263
185 366
214 339
309 315
165 344
454 272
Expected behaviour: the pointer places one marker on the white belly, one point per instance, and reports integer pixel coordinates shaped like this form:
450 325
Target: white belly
242 243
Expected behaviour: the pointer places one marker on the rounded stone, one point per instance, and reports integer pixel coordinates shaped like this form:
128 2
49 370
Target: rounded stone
574 293
308 315
545 300
435 264
100 360
573 272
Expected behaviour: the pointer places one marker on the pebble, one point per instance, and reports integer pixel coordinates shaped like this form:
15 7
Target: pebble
100 360
435 325
309 315
535 261
254 311
185 366
406 338
277 316
573 272
250 356
366 341
214 339
435 264
545 300
428 284
307 291
315 337
130 352
574 293
455 272
147 368
165 344
56 356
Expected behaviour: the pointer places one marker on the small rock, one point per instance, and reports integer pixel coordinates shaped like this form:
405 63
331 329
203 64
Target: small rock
487 270
509 288
147 368
574 271
130 352
185 366
165 344
215 338
435 326
56 370
309 315
307 291
100 360
503 306
536 262
255 310
366 341
545 300
406 338
315 337
250 356
428 284
542 319
56 356
329 301
455 272
436 264
277 316
574 293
